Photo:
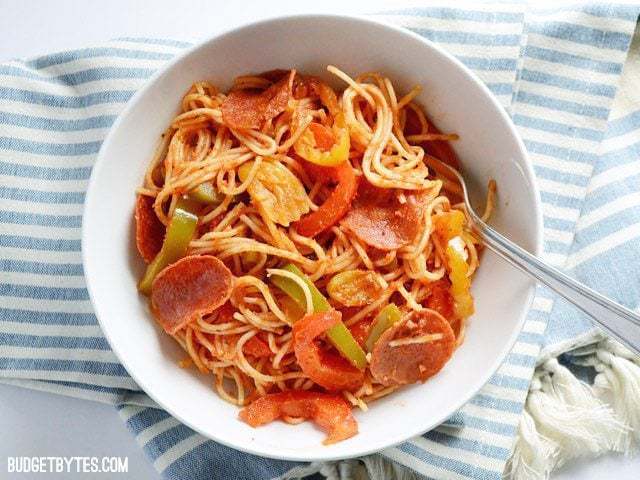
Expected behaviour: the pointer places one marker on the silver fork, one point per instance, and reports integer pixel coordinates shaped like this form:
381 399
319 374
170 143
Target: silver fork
620 322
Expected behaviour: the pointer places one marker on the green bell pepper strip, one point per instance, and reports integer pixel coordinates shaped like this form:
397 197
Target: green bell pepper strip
176 242
387 317
207 194
339 335
291 288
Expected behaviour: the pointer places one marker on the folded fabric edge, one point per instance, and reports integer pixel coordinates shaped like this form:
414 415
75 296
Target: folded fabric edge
110 396
602 415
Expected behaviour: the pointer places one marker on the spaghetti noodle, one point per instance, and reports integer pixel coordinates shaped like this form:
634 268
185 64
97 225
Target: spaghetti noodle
320 224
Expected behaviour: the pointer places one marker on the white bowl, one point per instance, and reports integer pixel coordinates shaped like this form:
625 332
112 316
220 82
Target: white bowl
458 102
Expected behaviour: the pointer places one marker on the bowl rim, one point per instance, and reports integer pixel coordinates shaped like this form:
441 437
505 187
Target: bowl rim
100 163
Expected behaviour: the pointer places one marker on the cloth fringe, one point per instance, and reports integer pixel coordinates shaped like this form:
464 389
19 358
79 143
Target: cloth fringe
566 418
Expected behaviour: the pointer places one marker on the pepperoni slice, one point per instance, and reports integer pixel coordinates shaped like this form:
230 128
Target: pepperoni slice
329 412
250 108
192 286
325 367
149 229
378 218
408 363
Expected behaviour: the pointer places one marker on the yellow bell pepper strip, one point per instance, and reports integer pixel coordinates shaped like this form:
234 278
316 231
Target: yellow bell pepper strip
387 317
182 227
207 194
315 147
339 335
447 226
460 283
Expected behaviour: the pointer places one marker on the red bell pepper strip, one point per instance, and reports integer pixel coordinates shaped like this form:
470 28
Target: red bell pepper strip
338 203
325 367
329 412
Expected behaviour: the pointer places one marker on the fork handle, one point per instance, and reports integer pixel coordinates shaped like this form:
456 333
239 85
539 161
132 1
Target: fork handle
621 322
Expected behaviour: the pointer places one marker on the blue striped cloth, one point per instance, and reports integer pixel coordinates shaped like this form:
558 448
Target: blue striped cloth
556 71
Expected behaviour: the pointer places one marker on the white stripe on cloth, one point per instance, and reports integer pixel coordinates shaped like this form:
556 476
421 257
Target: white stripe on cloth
178 450
624 235
71 376
156 429
108 397
72 354
614 174
50 330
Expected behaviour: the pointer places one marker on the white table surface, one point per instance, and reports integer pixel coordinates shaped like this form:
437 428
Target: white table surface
41 424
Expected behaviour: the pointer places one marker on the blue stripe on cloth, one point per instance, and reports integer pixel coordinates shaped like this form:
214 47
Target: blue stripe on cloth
47 317
56 124
451 441
494 16
168 42
625 124
562 105
120 392
564 153
569 59
592 88
494 403
44 365
557 224
80 77
202 459
146 418
581 34
462 419
557 199
162 442
60 58
65 101
44 173
530 338
461 468
466 38
42 268
557 127
67 221
521 359
43 341
488 64
40 196
43 293
47 148
508 381
500 88
33 243
605 10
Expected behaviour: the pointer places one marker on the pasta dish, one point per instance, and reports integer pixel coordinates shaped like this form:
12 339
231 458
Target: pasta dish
305 246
